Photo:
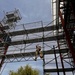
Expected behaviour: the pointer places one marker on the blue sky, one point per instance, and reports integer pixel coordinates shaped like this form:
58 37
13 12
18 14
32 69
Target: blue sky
31 11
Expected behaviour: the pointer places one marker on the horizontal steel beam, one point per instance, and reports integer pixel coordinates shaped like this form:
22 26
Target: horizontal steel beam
36 30
52 38
60 70
18 55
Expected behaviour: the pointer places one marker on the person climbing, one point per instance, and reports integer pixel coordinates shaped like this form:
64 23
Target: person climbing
38 52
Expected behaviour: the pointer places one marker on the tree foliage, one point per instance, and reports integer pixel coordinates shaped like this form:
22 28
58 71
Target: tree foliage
27 70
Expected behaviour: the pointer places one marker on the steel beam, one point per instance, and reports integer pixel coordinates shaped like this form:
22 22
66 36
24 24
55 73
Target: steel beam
60 70
52 38
18 55
29 31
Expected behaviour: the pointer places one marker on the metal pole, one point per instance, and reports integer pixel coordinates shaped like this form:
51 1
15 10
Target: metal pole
57 27
56 60
43 49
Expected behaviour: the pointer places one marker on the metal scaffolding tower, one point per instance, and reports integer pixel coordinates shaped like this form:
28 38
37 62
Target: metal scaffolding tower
56 39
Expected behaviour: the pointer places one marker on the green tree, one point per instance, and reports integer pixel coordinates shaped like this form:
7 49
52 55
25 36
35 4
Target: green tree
26 70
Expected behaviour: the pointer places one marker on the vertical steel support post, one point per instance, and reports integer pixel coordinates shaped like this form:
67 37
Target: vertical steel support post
56 60
43 48
67 36
57 27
